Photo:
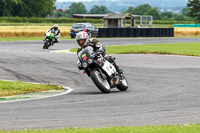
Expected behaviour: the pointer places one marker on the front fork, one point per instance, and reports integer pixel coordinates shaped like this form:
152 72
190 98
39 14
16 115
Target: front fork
101 73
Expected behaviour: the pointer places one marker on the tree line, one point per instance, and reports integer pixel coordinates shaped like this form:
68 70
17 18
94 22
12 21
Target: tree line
42 8
79 8
146 9
27 8
189 13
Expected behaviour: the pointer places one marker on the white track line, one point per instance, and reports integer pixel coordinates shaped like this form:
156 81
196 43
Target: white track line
68 90
62 51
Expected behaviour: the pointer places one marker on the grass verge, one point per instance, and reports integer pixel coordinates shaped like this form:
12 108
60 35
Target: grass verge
8 88
189 49
189 128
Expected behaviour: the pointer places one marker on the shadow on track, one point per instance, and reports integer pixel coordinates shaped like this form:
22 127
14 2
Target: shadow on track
97 92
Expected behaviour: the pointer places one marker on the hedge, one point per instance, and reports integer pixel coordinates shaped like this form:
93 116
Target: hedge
47 20
171 22
73 20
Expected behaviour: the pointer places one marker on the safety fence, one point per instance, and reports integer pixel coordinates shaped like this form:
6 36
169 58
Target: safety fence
136 32
186 25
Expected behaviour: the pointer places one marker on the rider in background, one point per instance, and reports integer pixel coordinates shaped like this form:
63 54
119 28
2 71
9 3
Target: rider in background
57 33
83 41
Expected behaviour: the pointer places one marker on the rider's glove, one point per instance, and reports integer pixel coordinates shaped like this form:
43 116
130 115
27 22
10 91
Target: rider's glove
79 65
99 51
102 48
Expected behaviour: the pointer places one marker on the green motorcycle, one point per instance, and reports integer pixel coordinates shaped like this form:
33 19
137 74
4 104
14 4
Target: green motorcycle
49 39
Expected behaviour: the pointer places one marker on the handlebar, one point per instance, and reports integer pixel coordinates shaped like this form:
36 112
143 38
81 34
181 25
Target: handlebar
97 53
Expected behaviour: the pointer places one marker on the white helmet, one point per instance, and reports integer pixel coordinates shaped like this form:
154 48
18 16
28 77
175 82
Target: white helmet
82 39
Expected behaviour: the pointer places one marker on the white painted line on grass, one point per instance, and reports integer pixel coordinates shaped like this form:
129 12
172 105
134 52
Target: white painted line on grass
68 90
62 51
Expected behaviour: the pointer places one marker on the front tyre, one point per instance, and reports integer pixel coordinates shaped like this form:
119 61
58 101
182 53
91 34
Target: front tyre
123 85
100 82
46 44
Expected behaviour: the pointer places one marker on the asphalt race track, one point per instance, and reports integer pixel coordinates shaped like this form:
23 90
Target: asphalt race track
163 89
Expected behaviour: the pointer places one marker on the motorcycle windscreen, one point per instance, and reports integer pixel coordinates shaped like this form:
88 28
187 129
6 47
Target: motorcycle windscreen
85 54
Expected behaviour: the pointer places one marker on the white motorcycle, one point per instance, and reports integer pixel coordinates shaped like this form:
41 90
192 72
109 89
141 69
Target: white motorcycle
102 72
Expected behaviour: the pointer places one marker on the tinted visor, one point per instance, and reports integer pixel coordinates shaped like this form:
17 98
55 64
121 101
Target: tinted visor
81 42
55 28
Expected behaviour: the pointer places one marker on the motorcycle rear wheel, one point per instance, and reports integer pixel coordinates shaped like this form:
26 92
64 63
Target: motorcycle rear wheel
100 82
123 86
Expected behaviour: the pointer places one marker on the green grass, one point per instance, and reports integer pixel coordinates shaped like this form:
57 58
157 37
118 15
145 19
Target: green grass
189 128
8 88
20 38
35 24
162 25
44 24
70 24
189 49
27 38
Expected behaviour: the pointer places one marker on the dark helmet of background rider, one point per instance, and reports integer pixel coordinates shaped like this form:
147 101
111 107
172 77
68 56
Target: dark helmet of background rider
55 27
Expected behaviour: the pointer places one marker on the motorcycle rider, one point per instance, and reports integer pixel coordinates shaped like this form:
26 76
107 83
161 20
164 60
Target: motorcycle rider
57 33
83 41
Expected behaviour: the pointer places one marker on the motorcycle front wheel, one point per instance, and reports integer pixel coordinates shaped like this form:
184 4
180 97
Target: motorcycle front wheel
46 44
100 81
123 85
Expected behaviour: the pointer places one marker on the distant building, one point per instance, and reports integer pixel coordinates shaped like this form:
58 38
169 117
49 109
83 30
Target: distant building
119 19
92 16
116 20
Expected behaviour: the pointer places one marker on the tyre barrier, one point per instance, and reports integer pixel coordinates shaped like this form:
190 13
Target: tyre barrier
135 32
94 34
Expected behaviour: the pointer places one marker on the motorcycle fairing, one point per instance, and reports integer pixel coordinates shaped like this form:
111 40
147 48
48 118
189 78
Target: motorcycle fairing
109 68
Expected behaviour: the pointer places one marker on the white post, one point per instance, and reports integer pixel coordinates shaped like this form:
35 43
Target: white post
141 21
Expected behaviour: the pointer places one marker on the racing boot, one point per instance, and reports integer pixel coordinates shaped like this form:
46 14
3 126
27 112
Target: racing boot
52 43
120 71
58 40
55 41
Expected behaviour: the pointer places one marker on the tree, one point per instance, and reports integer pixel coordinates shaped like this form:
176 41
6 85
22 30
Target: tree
129 10
59 14
38 8
8 7
153 12
194 9
26 8
141 10
179 17
99 10
185 11
166 15
77 8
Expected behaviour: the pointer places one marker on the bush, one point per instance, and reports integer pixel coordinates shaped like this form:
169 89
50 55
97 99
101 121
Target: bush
171 22
47 20
75 20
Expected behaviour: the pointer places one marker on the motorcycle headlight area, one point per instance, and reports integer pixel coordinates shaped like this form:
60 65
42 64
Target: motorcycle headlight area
48 34
90 61
84 65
